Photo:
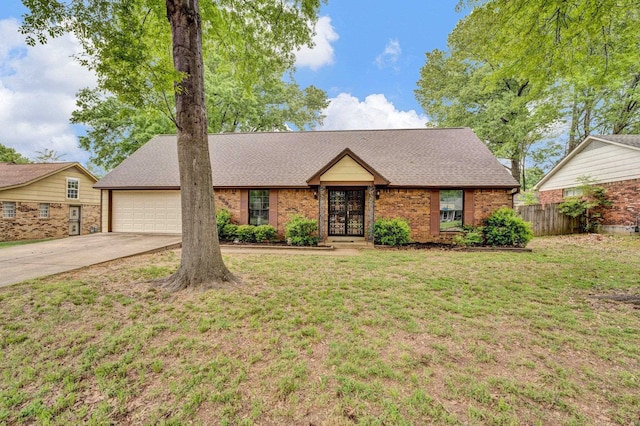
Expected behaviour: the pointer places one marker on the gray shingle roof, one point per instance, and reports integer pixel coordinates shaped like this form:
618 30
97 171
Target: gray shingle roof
630 140
413 157
12 174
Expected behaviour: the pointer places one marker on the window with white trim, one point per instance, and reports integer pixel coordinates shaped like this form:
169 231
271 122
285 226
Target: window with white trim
44 210
451 205
572 192
8 209
73 188
259 207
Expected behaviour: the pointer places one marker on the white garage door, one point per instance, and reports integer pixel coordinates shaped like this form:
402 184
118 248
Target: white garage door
146 211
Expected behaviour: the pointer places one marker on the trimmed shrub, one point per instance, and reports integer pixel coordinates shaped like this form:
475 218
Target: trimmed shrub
472 236
223 218
391 232
229 232
246 233
264 233
505 228
301 231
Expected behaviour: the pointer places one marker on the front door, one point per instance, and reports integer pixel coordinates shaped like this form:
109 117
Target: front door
74 220
346 213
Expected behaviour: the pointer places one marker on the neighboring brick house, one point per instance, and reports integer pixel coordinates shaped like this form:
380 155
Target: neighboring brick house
47 200
611 161
438 179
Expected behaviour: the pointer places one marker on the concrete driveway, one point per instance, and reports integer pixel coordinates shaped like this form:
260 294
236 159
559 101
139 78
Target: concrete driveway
29 261
24 262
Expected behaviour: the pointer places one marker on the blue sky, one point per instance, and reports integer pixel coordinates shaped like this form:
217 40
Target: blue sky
367 58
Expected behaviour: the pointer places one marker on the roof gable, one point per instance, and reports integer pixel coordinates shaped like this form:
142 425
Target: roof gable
592 143
352 169
14 175
429 157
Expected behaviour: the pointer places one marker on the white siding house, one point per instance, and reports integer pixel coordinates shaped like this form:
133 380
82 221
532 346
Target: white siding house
612 161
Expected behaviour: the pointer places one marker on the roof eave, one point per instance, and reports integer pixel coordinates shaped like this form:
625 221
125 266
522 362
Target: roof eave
46 175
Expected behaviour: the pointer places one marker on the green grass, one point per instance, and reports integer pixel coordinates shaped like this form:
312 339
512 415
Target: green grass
385 337
4 244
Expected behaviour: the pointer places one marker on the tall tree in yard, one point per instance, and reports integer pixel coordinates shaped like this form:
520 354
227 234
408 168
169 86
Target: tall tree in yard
459 88
201 264
109 31
587 51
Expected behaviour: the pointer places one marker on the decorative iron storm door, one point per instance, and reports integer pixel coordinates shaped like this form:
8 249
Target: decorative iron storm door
346 213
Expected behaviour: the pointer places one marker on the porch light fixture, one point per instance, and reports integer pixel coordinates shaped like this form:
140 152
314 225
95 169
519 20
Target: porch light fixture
315 194
377 194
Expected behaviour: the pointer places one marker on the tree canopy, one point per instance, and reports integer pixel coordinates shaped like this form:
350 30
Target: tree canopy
589 50
459 88
514 70
248 47
10 155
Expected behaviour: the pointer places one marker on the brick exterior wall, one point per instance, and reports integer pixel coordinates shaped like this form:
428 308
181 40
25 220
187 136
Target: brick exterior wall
295 201
625 196
90 220
27 225
228 199
488 200
550 197
415 206
290 202
411 204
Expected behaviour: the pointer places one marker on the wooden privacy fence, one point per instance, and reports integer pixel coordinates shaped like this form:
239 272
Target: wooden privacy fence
548 220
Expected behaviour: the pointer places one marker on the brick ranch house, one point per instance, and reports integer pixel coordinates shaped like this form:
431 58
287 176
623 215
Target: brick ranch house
437 179
611 161
47 200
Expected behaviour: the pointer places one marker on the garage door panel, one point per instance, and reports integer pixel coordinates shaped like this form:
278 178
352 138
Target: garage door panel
146 211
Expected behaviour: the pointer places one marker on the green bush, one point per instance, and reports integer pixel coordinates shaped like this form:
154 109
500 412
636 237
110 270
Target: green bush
472 236
246 233
223 218
301 231
589 206
391 232
505 228
229 232
264 233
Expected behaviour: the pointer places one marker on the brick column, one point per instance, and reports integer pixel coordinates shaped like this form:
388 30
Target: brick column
370 214
322 213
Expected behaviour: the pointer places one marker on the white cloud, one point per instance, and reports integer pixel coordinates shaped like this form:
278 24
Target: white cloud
390 55
346 112
321 53
37 93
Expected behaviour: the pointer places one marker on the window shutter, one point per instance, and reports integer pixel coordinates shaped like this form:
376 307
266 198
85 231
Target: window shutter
469 207
434 214
273 208
244 207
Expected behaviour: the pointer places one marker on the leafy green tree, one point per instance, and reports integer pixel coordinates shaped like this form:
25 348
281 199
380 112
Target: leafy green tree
456 89
126 43
10 155
117 129
588 50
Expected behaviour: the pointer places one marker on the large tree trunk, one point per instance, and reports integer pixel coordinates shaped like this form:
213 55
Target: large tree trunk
516 170
201 265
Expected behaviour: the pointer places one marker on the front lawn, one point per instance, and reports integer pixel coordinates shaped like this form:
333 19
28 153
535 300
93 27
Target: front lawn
385 337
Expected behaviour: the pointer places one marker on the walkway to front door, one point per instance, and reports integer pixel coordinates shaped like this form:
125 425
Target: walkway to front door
346 213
